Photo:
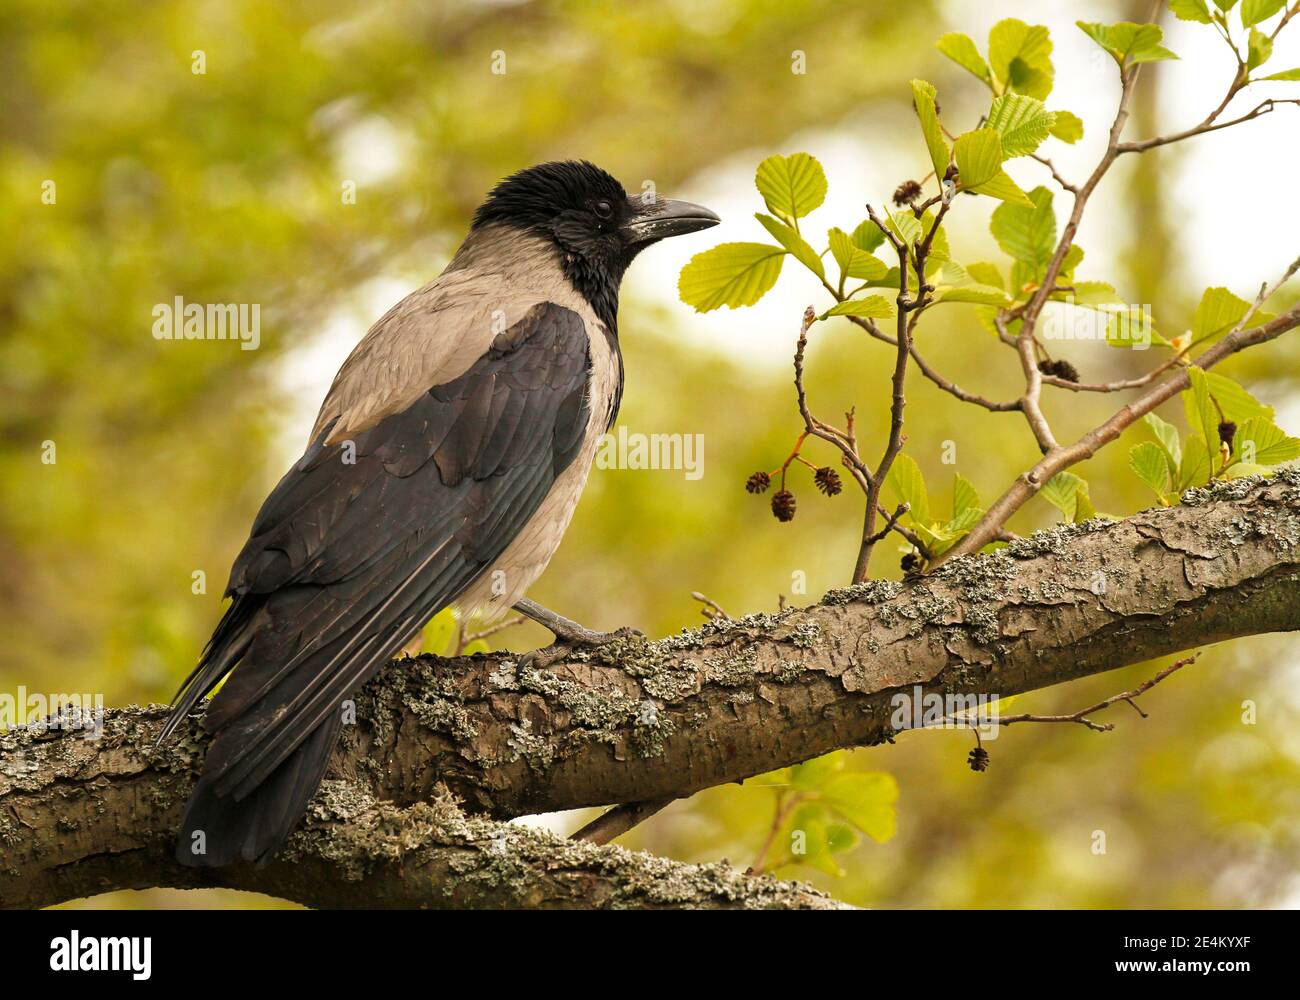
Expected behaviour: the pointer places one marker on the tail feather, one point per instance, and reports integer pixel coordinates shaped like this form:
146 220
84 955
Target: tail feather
229 642
254 827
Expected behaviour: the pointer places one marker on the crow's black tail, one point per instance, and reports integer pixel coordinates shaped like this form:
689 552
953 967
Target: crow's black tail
221 829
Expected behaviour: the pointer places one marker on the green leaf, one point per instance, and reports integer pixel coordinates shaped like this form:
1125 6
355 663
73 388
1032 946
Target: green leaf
854 262
841 837
987 318
793 242
1068 493
1259 441
1194 468
731 274
1149 461
1129 327
1234 401
867 799
1190 10
1167 434
904 225
810 821
961 50
872 306
911 230
792 186
1287 74
1201 413
1021 121
1020 56
1003 188
923 100
986 295
979 156
1240 470
986 273
812 774
964 496
440 634
979 166
1027 232
1084 510
1128 42
1073 258
962 523
1259 49
949 272
1067 126
1099 295
908 484
1225 5
1254 11
868 236
1218 312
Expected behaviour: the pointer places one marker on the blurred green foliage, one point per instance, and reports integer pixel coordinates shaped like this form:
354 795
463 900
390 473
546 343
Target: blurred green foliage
225 186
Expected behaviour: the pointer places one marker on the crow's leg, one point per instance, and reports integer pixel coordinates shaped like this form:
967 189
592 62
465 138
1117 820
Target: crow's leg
568 633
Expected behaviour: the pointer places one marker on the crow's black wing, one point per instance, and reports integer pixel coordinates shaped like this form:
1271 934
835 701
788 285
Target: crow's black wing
364 540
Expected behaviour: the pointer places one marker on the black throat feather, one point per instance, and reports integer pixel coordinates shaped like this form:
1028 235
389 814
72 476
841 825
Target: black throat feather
594 282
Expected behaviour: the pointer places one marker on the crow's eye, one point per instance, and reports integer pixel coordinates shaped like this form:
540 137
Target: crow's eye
604 210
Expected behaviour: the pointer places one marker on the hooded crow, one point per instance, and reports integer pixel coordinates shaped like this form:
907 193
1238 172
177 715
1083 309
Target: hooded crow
443 469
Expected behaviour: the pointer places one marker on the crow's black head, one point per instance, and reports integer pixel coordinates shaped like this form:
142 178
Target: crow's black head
596 228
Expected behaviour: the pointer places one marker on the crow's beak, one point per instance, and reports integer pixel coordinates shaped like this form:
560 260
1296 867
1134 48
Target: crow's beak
661 218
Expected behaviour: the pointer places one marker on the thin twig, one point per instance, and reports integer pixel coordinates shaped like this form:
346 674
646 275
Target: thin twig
1121 384
785 804
843 440
1209 125
906 305
617 821
464 639
947 385
711 609
1072 188
892 520
1081 716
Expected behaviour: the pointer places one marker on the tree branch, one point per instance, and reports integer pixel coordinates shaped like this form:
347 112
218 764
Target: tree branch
1029 483
639 720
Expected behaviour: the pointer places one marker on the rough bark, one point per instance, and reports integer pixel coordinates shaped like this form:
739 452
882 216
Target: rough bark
641 720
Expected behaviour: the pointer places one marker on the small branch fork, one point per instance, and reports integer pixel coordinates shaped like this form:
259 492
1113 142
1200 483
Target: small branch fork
911 260
1082 716
844 440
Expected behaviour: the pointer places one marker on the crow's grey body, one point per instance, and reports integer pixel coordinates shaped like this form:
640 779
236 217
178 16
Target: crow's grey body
408 350
443 468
